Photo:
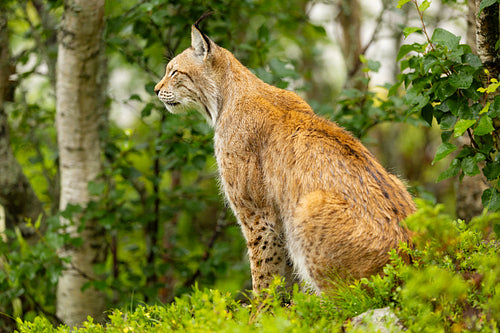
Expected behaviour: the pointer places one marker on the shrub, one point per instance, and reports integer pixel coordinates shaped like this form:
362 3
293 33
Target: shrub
452 285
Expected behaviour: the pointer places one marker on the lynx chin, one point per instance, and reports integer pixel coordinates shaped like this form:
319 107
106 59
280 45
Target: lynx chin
313 203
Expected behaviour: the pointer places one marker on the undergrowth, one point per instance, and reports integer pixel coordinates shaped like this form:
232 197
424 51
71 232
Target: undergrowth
452 285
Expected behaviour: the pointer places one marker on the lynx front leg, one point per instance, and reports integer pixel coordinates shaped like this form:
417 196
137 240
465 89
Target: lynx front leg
266 248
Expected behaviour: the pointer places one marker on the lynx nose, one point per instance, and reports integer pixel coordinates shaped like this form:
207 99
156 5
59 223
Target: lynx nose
158 87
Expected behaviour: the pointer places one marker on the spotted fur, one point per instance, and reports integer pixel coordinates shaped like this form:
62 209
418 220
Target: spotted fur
313 203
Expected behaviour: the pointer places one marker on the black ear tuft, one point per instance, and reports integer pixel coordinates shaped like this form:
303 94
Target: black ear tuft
199 41
202 17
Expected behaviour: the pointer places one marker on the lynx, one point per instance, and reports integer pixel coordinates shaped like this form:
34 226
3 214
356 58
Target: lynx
313 203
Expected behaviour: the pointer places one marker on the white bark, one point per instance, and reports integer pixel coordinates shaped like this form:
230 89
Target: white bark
487 34
78 139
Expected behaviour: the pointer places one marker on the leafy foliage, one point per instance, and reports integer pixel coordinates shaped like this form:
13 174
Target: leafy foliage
22 266
444 81
452 285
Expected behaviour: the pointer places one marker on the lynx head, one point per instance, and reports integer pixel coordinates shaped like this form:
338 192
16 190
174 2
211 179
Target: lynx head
190 78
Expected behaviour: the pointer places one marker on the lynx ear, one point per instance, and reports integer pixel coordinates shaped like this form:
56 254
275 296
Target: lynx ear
200 43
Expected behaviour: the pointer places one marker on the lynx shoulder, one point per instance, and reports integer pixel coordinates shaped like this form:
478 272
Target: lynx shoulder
313 203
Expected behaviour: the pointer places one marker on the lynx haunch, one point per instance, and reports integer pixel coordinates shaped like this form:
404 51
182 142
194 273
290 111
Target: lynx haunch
311 200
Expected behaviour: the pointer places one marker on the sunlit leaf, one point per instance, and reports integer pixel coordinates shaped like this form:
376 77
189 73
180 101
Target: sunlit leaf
401 3
462 125
424 5
409 30
485 126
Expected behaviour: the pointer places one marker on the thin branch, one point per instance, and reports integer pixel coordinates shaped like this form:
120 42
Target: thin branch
424 29
471 137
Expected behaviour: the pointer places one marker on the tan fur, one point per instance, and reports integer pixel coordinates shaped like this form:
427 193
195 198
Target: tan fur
309 197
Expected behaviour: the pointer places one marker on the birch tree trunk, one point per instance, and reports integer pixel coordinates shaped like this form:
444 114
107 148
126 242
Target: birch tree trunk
483 33
77 118
16 194
487 34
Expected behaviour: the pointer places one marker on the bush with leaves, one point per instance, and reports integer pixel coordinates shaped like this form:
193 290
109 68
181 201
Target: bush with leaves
444 81
452 285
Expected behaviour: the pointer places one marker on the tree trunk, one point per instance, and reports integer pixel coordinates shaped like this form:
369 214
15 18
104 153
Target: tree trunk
350 20
77 120
16 194
482 35
487 34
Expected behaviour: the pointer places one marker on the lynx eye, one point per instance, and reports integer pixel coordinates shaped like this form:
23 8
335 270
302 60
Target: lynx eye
173 73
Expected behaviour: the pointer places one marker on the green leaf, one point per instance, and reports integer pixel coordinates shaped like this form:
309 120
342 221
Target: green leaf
416 98
485 108
491 170
135 97
446 135
199 161
146 111
264 75
443 89
263 32
496 226
150 88
472 60
461 79
494 110
96 188
401 3
38 222
428 62
484 4
452 171
409 30
447 122
469 166
70 210
282 69
491 199
485 126
158 16
424 5
462 125
407 48
456 105
394 88
373 65
444 37
444 150
427 114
